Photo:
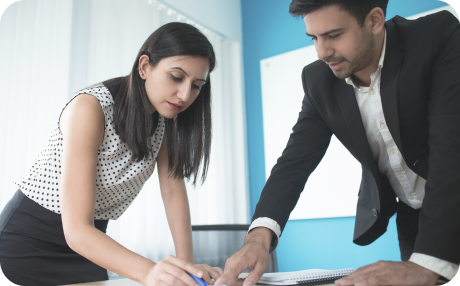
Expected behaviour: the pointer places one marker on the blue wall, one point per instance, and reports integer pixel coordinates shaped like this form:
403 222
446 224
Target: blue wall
269 30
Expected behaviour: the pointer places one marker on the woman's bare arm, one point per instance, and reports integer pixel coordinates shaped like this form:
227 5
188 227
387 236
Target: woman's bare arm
82 126
174 194
175 200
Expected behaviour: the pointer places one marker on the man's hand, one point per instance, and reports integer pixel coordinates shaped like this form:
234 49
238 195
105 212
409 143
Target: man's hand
390 273
253 256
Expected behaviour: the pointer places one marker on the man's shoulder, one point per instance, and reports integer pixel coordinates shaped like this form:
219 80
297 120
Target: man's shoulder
317 72
422 38
433 25
316 65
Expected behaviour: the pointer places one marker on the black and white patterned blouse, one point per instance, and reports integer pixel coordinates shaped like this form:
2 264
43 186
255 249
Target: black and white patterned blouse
118 180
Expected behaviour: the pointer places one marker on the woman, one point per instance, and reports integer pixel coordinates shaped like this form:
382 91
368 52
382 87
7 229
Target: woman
103 149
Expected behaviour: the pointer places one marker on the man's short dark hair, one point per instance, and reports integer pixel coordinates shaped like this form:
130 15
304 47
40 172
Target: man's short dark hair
357 8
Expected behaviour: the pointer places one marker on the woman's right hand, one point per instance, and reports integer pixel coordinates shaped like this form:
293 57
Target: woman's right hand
172 271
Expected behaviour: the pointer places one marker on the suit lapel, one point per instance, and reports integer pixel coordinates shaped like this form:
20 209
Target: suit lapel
389 96
350 111
389 83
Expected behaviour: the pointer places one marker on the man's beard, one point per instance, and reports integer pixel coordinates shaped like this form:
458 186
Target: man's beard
363 57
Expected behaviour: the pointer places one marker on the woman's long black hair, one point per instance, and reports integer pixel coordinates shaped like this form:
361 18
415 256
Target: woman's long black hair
189 134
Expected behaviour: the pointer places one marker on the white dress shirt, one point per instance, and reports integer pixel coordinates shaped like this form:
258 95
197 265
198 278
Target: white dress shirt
408 186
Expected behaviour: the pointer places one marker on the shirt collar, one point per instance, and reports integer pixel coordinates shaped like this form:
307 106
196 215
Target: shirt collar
350 81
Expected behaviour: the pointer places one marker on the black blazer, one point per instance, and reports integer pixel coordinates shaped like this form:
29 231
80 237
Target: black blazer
420 93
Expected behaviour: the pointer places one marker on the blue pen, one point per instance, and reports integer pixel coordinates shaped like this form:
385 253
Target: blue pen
198 280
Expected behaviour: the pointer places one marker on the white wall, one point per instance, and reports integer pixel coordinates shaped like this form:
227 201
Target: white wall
51 48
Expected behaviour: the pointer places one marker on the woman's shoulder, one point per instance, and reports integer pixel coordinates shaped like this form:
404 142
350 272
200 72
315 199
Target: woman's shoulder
115 85
99 91
105 92
83 114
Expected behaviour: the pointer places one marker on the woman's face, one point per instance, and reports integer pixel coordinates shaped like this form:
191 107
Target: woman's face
174 83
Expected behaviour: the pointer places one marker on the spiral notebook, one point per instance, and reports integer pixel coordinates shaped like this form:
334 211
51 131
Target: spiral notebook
305 277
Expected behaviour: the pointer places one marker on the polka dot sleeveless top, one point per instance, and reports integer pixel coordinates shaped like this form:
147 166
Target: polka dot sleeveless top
118 180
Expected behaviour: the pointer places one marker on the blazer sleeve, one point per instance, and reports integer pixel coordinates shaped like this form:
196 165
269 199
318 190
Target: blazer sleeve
306 147
439 224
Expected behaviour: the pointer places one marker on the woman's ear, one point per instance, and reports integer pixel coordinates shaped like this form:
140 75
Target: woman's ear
143 66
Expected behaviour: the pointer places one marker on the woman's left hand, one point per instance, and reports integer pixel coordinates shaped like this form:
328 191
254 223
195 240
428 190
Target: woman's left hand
209 273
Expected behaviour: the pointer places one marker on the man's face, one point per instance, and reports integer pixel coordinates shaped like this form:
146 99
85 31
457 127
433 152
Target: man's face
340 41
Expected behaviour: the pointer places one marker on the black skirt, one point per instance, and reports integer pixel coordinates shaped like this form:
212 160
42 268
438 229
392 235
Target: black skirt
33 250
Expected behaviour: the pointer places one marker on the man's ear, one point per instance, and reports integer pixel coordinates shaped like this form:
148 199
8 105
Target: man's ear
376 20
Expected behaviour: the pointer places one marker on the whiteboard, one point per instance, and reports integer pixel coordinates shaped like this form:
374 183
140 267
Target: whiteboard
332 189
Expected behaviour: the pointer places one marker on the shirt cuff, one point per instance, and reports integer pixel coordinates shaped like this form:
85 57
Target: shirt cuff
270 224
444 268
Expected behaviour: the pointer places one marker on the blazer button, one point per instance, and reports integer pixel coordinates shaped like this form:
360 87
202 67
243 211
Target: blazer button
375 212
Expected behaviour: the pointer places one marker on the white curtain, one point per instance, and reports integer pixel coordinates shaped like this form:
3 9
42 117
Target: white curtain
51 48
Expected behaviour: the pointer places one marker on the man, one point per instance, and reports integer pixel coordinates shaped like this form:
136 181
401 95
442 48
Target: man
390 92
